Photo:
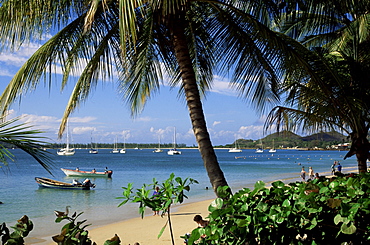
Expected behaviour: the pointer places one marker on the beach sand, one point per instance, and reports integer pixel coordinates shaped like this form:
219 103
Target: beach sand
145 231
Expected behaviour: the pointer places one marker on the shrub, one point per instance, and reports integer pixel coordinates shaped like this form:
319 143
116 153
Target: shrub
74 233
322 211
21 229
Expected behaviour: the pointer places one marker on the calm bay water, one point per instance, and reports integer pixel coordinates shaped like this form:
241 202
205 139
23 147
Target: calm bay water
21 195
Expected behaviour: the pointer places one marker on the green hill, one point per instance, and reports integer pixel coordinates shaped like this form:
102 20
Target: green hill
287 139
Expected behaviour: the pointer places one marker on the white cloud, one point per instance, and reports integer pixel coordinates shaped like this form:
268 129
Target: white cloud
144 119
216 123
222 86
82 130
81 119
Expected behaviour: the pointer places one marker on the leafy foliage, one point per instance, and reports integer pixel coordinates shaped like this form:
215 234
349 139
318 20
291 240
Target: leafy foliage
172 191
323 211
21 230
74 233
22 136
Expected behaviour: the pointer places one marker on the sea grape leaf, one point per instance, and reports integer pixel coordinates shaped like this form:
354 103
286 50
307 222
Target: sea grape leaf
216 204
348 229
259 185
333 202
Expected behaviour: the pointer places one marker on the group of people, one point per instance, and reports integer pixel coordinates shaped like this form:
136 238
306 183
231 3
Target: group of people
313 175
339 167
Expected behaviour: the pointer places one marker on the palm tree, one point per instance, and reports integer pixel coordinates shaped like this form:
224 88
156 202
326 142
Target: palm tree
22 136
334 91
142 39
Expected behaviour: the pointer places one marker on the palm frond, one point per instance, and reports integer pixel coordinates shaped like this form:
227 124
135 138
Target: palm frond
22 136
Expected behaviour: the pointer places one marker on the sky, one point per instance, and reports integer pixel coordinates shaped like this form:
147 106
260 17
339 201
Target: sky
105 117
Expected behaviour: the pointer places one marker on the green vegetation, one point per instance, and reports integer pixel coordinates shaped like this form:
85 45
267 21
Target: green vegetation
74 232
286 139
22 136
21 229
323 211
171 191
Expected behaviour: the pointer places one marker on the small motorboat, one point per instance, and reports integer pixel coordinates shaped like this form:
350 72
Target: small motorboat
50 183
76 172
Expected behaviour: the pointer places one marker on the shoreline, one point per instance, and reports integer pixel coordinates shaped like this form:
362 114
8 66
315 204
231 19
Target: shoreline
145 231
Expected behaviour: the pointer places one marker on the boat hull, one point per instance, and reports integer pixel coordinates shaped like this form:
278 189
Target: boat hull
54 184
235 150
79 173
174 152
66 152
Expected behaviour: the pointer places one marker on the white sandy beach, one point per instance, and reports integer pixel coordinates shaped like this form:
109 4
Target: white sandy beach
145 231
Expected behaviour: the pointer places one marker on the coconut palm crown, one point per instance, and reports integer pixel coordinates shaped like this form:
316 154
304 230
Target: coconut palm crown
141 41
334 92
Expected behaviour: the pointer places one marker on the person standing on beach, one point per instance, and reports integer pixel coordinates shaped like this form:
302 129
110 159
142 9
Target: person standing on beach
333 167
339 167
155 194
303 174
311 173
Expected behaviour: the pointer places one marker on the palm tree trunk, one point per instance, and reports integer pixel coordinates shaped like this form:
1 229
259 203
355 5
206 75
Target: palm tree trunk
195 107
360 147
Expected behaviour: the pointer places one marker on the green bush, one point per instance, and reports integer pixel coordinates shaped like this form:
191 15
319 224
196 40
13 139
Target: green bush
172 191
322 211
75 233
21 229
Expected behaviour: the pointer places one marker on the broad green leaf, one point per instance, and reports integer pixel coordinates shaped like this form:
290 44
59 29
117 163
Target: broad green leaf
259 185
216 204
333 203
348 229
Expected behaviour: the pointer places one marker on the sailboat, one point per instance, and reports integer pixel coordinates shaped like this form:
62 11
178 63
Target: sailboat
159 146
273 150
235 149
93 150
115 149
66 151
260 150
123 151
173 151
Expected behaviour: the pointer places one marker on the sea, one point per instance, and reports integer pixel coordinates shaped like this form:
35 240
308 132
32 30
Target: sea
21 195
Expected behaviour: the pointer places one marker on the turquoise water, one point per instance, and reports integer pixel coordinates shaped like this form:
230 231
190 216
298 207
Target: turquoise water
21 195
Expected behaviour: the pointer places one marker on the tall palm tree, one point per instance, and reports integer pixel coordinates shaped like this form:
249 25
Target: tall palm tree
334 92
141 40
22 136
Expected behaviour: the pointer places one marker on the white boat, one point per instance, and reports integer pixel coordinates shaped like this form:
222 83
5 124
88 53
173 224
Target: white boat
158 150
123 151
260 150
93 150
235 149
79 173
67 151
115 149
174 151
273 150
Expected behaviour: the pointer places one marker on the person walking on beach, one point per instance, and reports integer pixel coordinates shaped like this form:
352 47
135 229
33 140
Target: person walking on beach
339 168
333 167
311 173
303 174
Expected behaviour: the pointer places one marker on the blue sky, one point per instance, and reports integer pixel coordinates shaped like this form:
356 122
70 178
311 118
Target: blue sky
104 116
